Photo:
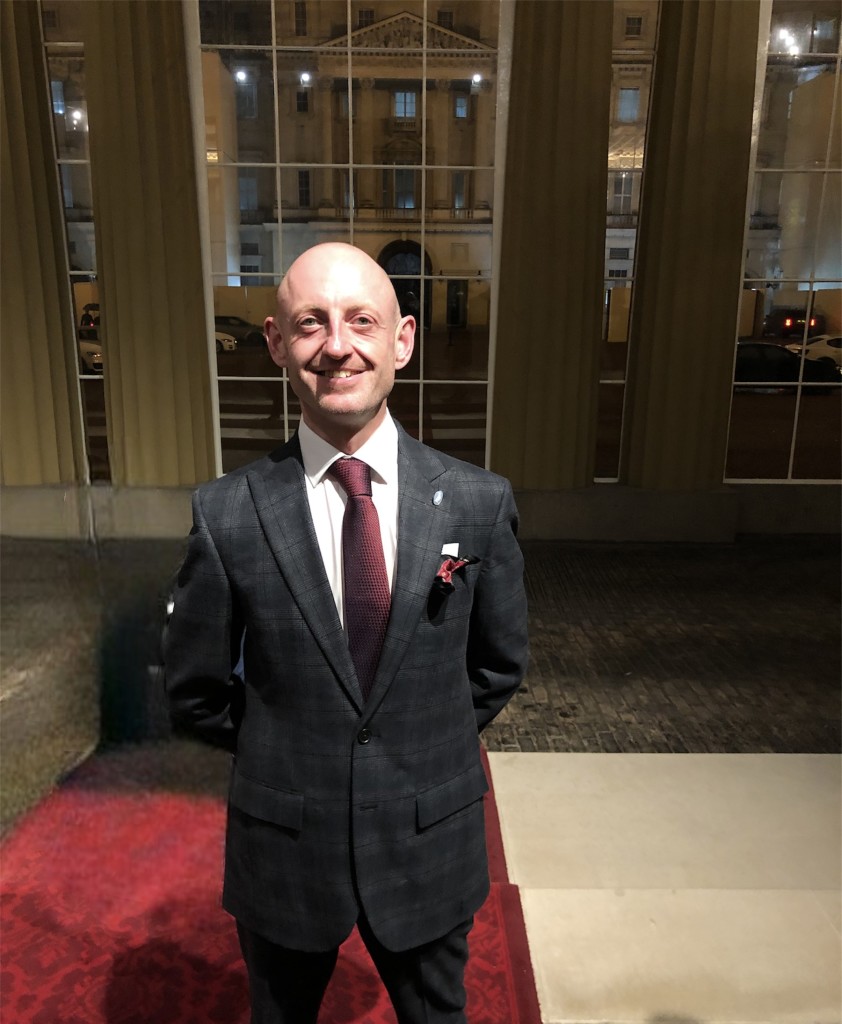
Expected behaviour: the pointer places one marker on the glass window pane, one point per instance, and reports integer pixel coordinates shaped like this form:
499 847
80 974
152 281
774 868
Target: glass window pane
242 22
311 22
312 108
298 236
461 115
251 416
609 426
69 106
243 222
62 21
455 420
239 106
818 444
785 224
96 440
404 406
796 126
762 421
801 28
456 344
394 26
78 214
239 312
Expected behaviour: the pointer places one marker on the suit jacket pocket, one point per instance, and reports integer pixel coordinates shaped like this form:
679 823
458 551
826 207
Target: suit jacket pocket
280 806
434 804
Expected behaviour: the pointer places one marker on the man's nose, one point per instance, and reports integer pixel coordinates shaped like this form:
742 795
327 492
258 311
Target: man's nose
337 345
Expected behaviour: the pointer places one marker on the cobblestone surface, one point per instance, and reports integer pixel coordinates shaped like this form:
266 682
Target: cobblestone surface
701 648
680 648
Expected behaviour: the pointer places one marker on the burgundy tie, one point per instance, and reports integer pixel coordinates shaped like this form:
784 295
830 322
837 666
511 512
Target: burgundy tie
366 588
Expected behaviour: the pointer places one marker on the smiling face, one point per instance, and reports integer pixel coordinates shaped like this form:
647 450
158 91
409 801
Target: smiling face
339 334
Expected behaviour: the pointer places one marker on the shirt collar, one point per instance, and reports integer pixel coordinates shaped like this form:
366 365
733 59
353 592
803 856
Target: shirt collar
380 452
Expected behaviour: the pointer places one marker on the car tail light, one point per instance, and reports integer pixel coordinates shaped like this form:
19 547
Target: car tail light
812 321
788 322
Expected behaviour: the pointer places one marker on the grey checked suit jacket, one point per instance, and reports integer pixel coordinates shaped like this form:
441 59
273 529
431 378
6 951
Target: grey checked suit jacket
333 802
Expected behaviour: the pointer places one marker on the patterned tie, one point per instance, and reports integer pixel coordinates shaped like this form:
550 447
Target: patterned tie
367 595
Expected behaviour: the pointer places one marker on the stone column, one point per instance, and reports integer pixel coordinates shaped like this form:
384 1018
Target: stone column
690 244
439 116
553 245
364 144
327 198
484 146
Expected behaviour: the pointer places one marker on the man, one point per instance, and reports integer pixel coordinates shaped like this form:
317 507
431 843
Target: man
356 791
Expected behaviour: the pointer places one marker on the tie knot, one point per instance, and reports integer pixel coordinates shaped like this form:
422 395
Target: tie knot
353 475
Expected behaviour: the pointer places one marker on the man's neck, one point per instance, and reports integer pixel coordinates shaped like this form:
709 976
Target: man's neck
347 438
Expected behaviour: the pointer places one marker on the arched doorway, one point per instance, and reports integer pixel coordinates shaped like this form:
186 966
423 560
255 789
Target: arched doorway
405 263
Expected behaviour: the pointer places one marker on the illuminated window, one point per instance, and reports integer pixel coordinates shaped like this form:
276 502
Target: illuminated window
628 105
405 104
460 105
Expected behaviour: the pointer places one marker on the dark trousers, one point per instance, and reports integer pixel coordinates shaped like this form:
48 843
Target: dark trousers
426 984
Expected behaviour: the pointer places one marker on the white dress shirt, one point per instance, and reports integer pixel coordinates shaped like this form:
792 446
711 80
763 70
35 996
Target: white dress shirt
327 498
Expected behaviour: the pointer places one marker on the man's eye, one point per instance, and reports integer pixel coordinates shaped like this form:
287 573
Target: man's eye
308 321
363 320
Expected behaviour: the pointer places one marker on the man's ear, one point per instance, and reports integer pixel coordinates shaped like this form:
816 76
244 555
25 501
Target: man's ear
404 341
275 342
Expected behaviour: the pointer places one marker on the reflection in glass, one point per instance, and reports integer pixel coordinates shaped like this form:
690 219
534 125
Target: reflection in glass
296 238
456 344
459 194
239 106
798 115
388 25
804 27
96 440
609 427
242 212
241 22
62 22
251 416
69 106
818 445
785 225
455 420
760 435
403 405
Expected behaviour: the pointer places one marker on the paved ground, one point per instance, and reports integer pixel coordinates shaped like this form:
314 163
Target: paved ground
701 648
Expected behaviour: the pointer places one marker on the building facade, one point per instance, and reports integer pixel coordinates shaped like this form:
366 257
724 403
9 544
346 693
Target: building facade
591 209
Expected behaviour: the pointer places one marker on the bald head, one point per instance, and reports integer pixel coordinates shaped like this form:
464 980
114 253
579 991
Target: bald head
333 264
339 334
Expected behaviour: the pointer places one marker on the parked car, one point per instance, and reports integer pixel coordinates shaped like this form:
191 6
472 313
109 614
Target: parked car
823 346
90 356
788 321
246 334
225 342
763 363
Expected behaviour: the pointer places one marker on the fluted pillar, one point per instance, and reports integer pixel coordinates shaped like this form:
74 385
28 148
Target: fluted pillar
42 438
689 250
143 172
553 245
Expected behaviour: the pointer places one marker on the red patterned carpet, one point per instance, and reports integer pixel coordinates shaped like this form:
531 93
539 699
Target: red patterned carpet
110 915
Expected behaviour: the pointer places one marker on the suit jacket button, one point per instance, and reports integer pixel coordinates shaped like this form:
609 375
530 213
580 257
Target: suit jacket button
363 736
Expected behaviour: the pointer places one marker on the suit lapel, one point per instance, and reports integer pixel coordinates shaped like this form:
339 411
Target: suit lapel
422 527
283 510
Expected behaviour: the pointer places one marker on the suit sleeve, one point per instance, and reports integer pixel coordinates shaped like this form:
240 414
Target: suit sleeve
497 640
202 643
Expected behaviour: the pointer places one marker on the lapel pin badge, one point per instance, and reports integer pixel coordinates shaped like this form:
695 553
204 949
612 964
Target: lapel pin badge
437 497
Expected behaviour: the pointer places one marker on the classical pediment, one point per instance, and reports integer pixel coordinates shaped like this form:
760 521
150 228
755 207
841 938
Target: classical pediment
406 32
